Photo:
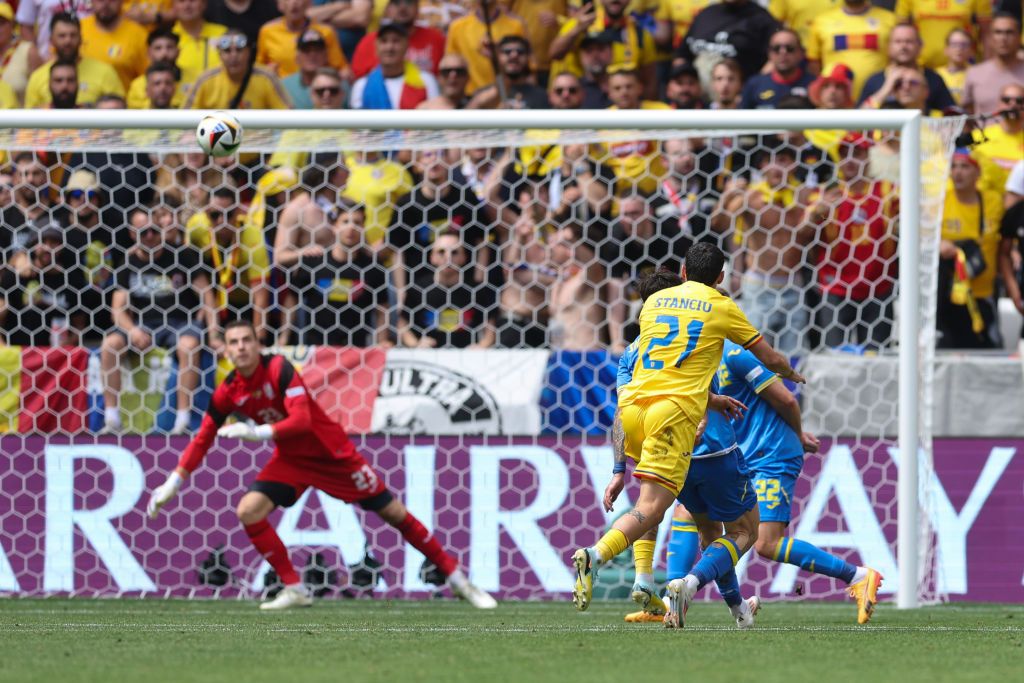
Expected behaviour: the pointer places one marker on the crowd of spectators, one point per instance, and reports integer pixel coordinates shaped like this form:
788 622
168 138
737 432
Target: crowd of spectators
535 246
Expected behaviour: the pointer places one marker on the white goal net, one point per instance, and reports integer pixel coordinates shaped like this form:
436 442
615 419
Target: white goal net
457 299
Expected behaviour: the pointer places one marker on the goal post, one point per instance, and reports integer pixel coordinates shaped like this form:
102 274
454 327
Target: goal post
921 142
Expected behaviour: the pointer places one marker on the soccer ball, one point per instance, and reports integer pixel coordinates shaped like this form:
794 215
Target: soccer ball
219 134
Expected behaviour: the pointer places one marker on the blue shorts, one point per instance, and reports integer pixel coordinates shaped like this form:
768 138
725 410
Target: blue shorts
719 487
775 493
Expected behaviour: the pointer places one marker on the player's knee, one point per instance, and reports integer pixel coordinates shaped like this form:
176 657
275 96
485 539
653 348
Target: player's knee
249 513
765 547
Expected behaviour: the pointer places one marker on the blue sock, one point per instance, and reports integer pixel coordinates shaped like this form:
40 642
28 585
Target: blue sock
682 549
718 560
813 559
729 588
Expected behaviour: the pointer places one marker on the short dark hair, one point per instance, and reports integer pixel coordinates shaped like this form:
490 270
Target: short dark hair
509 40
162 32
794 102
65 18
226 192
164 67
786 29
654 282
240 322
111 97
704 263
60 61
1003 14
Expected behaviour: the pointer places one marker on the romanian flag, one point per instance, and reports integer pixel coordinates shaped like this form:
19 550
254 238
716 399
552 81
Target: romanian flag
855 41
43 389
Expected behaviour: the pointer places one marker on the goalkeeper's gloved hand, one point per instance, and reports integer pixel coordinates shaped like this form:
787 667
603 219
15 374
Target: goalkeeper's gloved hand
163 494
247 431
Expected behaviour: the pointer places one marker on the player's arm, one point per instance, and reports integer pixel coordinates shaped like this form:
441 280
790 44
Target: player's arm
618 480
785 404
298 418
775 361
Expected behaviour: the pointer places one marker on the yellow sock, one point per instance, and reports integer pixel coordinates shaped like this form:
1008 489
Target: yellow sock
643 556
611 544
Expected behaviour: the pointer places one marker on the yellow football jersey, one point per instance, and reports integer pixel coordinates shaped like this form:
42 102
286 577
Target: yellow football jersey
954 81
682 333
936 18
277 47
800 14
637 163
197 54
124 48
997 156
857 40
960 222
376 185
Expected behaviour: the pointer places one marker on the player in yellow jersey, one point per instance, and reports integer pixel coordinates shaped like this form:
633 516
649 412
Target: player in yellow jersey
682 333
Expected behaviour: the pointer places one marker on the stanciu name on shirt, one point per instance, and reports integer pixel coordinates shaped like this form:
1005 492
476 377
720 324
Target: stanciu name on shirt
683 303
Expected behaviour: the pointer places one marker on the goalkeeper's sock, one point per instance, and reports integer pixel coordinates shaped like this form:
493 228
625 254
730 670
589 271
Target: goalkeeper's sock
717 561
610 545
182 419
813 559
682 549
269 545
415 533
643 557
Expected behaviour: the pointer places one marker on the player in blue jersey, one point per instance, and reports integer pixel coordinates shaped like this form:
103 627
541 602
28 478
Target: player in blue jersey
718 491
772 439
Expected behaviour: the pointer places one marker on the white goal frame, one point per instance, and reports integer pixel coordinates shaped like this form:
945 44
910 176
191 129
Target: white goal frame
906 123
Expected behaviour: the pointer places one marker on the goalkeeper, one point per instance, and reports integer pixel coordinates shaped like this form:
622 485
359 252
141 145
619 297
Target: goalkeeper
309 450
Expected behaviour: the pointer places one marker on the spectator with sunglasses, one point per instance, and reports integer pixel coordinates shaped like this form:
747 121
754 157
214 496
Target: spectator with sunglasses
453 75
95 78
310 55
985 82
197 41
904 53
521 92
327 89
426 44
566 92
162 297
786 75
278 40
161 47
237 83
396 83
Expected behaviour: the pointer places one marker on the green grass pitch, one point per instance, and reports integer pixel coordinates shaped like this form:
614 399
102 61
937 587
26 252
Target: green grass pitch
150 641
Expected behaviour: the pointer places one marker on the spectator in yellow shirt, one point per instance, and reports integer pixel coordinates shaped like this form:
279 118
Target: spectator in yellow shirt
959 50
161 46
221 88
197 47
63 85
637 164
468 37
856 35
800 14
936 18
1003 144
278 39
161 85
109 37
95 78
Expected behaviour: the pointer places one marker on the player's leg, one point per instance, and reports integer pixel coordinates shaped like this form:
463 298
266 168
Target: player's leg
394 512
188 349
645 591
774 497
684 541
111 351
252 512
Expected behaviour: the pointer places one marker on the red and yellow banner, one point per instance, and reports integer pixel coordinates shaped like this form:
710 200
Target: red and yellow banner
43 389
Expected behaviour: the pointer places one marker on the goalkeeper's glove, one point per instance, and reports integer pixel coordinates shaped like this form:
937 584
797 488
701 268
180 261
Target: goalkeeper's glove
163 494
247 431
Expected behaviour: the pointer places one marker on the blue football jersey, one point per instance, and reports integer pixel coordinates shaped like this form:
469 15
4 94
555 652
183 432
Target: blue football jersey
764 436
719 436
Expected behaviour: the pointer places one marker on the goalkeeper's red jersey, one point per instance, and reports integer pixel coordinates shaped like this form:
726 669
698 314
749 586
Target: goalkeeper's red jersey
274 394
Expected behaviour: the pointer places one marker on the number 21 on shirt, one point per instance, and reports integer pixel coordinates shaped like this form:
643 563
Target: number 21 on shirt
693 330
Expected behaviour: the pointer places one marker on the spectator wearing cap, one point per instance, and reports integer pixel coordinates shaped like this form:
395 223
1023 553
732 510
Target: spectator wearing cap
518 86
785 77
904 54
566 92
467 36
595 56
47 303
426 44
683 89
310 55
220 88
543 22
278 40
92 229
937 18
197 46
968 260
856 223
832 90
856 35
108 36
959 52
247 15
63 85
673 19
395 83
984 83
161 46
95 78
733 29
452 77
1003 141
14 71
632 46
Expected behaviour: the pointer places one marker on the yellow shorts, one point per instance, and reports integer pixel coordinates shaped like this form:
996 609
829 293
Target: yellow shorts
659 436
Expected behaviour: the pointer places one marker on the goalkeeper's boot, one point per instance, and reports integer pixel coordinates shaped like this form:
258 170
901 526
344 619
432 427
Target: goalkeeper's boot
290 596
645 596
471 593
680 595
865 592
643 617
586 571
746 612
